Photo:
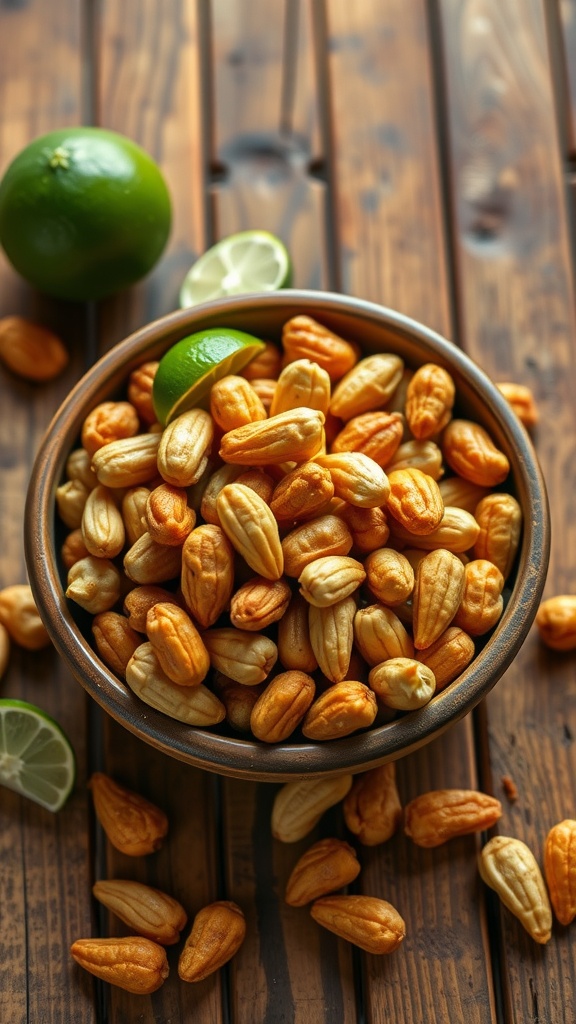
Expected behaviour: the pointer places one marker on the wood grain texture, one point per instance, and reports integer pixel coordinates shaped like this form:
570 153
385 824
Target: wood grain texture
517 320
567 15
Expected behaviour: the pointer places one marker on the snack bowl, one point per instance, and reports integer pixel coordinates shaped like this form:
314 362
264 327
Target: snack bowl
375 329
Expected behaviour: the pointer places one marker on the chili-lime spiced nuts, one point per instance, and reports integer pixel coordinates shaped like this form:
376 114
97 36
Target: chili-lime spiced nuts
302 493
247 658
140 384
30 350
368 527
356 478
127 462
218 931
133 963
325 866
146 911
282 706
470 451
429 399
148 562
133 507
133 825
331 632
380 635
94 583
499 517
301 384
293 435
70 501
318 538
457 532
556 622
115 640
389 576
139 600
509 867
233 402
460 493
169 518
207 577
194 705
73 548
184 448
298 806
252 529
304 338
79 467
109 421
238 700
102 524
259 602
403 683
423 455
178 644
294 646
482 602
415 501
448 656
371 923
367 386
342 709
19 615
438 592
522 400
372 808
443 814
327 580
560 869
375 434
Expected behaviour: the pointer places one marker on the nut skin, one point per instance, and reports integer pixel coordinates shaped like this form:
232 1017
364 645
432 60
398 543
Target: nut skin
177 643
429 400
145 910
218 931
318 538
372 809
30 350
19 616
470 452
560 869
366 921
341 710
556 622
282 706
509 867
298 806
109 421
448 656
499 517
415 501
133 825
258 603
442 814
132 963
304 338
325 866
207 577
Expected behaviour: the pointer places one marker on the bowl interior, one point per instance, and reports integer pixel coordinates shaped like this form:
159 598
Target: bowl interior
375 329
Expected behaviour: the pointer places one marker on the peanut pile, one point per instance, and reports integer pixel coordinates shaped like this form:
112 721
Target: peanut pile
315 554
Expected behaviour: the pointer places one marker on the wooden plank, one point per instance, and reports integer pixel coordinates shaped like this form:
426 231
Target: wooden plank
567 15
45 859
517 320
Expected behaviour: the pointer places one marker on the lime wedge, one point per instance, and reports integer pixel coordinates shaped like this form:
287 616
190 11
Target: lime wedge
250 261
36 759
188 370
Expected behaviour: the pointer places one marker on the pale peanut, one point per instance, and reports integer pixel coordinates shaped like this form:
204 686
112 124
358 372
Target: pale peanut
147 911
331 632
367 386
71 498
19 615
252 529
457 532
438 591
461 493
79 467
302 383
216 481
128 462
509 867
102 524
149 562
330 579
402 683
295 434
94 583
423 455
556 622
380 635
194 705
247 658
325 866
372 808
356 478
298 806
133 506
366 921
442 814
184 448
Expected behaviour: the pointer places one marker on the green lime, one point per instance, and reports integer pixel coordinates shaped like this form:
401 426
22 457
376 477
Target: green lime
36 758
84 212
250 261
188 370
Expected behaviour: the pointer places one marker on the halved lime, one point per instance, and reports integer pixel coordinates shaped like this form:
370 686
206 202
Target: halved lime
188 370
36 758
250 261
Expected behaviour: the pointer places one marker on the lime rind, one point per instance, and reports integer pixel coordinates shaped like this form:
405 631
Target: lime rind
36 758
249 261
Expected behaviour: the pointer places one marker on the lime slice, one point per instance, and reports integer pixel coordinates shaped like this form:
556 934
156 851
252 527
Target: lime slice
188 370
250 261
36 759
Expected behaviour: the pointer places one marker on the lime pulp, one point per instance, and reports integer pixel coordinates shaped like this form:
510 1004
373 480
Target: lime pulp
249 261
36 758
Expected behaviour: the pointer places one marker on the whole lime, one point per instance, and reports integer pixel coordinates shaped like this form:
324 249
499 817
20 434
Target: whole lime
84 212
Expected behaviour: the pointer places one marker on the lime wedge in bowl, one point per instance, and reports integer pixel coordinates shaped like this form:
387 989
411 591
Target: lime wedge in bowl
36 758
250 261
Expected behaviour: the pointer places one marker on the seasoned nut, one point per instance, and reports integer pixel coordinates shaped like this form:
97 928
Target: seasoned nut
556 622
380 635
368 922
304 338
19 615
79 467
133 508
438 591
233 402
140 384
330 579
482 603
389 576
4 649
341 710
470 452
94 583
448 656
216 481
259 602
217 933
184 448
168 516
423 455
302 384
138 602
252 529
372 809
368 526
73 548
127 462
237 699
327 865
457 532
375 434
133 825
133 963
429 400
402 683
31 351
499 517
207 573
522 401
149 562
265 388
115 640
298 806
247 658
108 422
318 538
258 480
294 647
146 911
267 363
71 499
415 501
331 637
508 866
177 644
560 869
295 434
282 706
302 493
461 493
442 814
194 705
356 478
367 386
102 524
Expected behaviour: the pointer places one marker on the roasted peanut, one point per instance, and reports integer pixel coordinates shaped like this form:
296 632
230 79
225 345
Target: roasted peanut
367 386
207 577
304 338
168 516
423 455
128 461
482 603
331 632
429 400
298 806
19 615
147 911
115 640
133 963
194 705
372 808
415 501
327 865
177 644
149 562
438 592
368 527
318 538
366 921
470 452
4 648
301 384
140 384
282 706
133 825
448 656
102 524
295 434
258 603
302 493
556 622
499 517
341 710
139 600
133 507
108 422
217 933
389 576
247 658
330 579
402 683
522 401
233 402
442 814
457 532
508 866
560 869
375 434
30 350
294 647
71 499
380 635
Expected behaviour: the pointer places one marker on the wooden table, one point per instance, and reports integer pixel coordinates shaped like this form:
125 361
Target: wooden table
418 154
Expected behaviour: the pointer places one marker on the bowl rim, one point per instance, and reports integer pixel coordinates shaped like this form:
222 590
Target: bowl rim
236 756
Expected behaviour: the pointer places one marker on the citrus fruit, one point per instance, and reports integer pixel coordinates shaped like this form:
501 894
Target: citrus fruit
36 758
250 261
188 370
84 212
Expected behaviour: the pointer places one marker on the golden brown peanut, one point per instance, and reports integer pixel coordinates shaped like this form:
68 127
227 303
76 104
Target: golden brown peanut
367 386
108 422
252 529
128 462
330 579
258 480
73 548
560 869
470 452
233 402
375 434
149 562
556 622
331 632
259 602
368 526
168 516
457 532
133 825
31 351
207 573
298 806
442 814
372 809
508 866
19 615
295 434
294 647
304 338
429 400
389 576
194 705
423 455
94 583
247 658
356 478
461 493
216 481
415 501
282 706
133 963
102 524
264 388
439 587
366 921
115 640
184 448
133 508
217 933
301 384
79 467
380 635
140 384
522 401
482 603
499 517
267 363
448 656
304 492
325 866
177 644
318 538
140 599
71 499
237 699
147 911
4 649
342 709
402 683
